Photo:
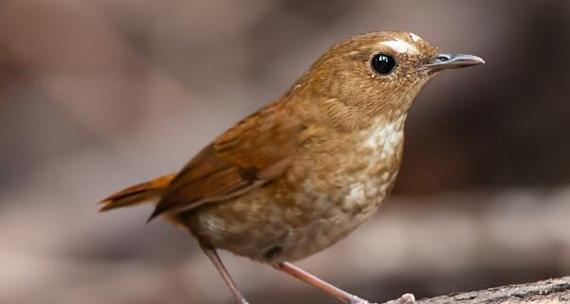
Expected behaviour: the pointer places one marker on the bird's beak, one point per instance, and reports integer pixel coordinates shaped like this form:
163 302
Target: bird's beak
452 61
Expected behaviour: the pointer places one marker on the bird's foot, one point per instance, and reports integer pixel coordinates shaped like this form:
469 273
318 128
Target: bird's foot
357 300
407 298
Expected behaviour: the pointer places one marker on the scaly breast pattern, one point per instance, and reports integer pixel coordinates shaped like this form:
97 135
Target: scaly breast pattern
323 198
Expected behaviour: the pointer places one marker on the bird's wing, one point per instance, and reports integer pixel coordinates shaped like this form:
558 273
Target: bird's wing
256 150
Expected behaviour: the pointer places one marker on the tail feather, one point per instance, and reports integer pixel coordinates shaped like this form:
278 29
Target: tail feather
137 194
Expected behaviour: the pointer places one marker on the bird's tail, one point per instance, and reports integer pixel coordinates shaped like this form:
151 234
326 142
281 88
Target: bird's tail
145 192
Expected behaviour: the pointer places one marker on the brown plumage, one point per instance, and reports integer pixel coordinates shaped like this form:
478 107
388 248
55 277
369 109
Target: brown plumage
141 193
304 171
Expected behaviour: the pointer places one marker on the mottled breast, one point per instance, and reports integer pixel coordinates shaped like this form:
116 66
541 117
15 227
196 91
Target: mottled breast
363 179
325 196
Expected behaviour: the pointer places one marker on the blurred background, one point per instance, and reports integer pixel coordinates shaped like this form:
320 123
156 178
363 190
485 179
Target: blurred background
96 95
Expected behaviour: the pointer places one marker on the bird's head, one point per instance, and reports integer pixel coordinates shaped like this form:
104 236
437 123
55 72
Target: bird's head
376 74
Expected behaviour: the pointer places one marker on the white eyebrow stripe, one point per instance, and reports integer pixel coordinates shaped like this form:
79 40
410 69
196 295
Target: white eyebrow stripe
401 46
415 38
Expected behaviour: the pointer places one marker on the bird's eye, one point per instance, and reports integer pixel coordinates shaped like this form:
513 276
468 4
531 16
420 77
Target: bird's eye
383 64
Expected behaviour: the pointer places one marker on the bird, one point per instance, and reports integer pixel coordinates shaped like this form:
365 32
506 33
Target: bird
305 170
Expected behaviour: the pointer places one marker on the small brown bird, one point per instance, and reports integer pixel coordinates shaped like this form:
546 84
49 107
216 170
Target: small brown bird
303 172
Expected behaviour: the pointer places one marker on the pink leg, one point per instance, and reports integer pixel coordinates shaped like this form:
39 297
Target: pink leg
215 258
312 280
331 290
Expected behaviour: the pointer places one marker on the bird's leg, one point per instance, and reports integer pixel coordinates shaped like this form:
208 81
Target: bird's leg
312 280
215 258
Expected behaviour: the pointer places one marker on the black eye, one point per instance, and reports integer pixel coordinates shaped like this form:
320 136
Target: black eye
383 64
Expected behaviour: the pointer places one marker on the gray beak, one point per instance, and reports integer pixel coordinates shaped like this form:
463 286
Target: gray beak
452 61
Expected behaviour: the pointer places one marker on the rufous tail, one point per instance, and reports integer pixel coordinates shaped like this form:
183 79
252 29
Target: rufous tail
142 193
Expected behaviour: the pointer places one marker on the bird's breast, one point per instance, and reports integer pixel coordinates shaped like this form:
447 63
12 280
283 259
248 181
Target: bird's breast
342 190
320 200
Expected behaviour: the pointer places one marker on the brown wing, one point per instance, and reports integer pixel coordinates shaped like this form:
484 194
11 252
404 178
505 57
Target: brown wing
255 151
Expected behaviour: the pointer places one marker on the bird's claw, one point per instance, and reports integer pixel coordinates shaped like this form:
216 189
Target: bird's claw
357 300
407 298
